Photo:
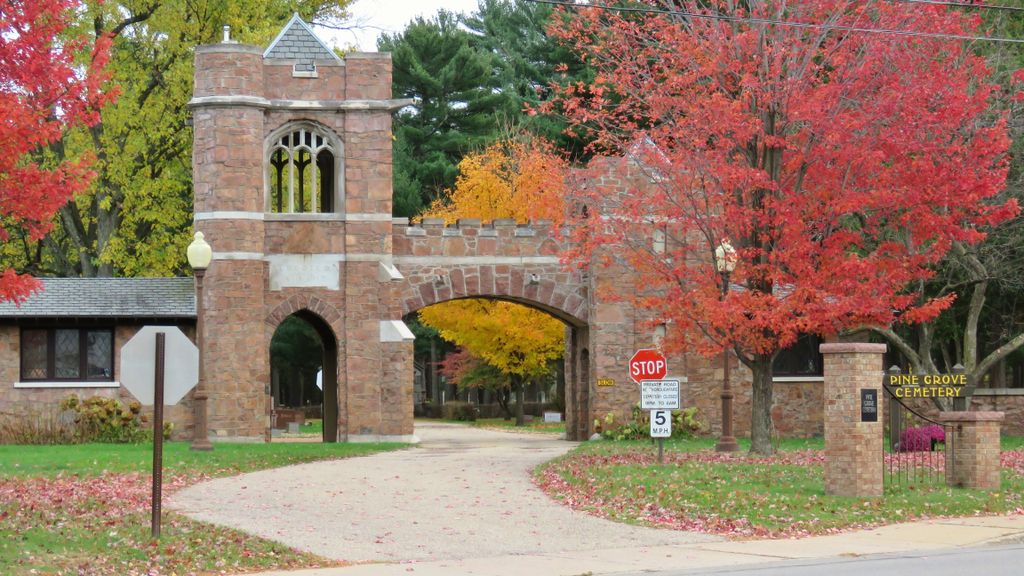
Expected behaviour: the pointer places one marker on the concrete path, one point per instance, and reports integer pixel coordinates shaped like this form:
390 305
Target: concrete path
463 504
464 493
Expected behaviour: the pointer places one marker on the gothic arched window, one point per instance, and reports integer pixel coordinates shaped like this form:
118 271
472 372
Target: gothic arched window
302 171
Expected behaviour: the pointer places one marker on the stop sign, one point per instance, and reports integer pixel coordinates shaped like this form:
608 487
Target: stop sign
647 365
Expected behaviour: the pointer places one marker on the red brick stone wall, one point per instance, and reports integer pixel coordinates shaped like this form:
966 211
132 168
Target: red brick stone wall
279 83
441 263
975 452
853 449
236 348
228 70
368 76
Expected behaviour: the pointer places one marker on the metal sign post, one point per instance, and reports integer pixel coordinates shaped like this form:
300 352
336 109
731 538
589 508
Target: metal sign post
661 397
661 428
158 435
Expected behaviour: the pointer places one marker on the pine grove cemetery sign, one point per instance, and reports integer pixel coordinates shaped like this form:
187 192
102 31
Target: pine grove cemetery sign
927 385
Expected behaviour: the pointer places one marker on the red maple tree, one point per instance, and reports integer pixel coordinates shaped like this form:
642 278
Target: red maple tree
49 83
839 162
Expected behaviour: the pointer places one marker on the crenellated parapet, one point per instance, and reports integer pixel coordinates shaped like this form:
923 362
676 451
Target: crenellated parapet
499 259
471 237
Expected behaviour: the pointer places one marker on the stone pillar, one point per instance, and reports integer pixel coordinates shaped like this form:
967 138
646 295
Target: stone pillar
853 449
972 454
227 161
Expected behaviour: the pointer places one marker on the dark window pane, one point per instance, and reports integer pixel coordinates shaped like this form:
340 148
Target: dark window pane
800 359
99 344
67 354
325 167
33 354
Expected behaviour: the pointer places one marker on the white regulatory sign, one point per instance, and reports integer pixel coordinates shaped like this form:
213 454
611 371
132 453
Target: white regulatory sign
659 395
661 423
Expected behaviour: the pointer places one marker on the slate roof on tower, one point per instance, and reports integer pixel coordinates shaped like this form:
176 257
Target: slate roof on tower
298 42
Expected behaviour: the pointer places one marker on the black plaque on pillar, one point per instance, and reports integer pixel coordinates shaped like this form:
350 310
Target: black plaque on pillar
869 405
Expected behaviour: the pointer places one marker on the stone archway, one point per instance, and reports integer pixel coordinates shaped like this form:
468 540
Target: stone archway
576 357
318 315
536 287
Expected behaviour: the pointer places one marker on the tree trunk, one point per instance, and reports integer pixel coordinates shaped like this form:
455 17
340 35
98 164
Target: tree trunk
502 396
517 385
761 407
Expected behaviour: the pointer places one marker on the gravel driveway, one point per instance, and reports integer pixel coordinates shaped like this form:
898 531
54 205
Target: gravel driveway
463 493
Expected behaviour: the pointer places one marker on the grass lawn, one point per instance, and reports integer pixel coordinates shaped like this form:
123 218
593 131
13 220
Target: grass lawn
737 495
84 509
312 426
1012 443
536 425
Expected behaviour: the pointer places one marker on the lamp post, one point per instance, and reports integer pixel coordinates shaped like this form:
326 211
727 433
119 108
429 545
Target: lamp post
199 256
725 260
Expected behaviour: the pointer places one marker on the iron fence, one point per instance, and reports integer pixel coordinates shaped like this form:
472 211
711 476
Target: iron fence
920 450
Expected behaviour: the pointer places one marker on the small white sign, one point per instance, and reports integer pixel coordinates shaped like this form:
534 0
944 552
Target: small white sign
659 394
661 423
552 416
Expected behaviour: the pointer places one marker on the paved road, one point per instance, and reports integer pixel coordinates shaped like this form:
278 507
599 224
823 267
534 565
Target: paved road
463 493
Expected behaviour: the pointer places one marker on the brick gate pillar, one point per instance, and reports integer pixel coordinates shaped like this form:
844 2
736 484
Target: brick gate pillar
853 449
974 449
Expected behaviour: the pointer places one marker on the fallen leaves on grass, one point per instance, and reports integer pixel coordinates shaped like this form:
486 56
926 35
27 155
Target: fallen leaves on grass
743 496
99 525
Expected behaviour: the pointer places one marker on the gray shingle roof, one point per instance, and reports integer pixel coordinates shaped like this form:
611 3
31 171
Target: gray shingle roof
108 297
298 42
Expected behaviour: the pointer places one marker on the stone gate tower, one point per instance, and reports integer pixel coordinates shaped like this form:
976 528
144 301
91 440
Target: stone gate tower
292 176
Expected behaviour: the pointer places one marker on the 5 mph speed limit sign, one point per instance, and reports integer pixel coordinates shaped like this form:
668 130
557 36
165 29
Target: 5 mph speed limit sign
661 423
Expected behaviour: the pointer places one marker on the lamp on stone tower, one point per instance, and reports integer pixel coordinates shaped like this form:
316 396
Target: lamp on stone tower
725 260
199 256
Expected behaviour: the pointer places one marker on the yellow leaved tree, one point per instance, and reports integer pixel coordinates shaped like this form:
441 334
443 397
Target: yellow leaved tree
512 178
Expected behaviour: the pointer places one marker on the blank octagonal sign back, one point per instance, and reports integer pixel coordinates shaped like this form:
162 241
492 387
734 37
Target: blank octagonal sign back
138 365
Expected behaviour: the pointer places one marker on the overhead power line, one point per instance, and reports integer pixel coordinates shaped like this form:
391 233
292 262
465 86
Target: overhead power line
969 4
771 22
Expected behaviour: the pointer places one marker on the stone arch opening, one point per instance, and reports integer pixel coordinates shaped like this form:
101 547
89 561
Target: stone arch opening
541 288
304 374
565 389
302 162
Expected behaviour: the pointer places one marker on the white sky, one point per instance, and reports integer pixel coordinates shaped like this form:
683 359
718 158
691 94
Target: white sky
376 16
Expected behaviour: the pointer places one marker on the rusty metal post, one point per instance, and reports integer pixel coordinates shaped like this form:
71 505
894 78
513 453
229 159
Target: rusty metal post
158 435
895 417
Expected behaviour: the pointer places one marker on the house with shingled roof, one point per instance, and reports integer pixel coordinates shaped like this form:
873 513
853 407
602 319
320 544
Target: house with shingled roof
66 338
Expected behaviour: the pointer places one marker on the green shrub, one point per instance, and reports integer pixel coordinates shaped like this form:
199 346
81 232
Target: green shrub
461 411
686 423
101 419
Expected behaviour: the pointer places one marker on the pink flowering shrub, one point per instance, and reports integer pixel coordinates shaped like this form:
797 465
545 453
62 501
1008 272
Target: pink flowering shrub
922 439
